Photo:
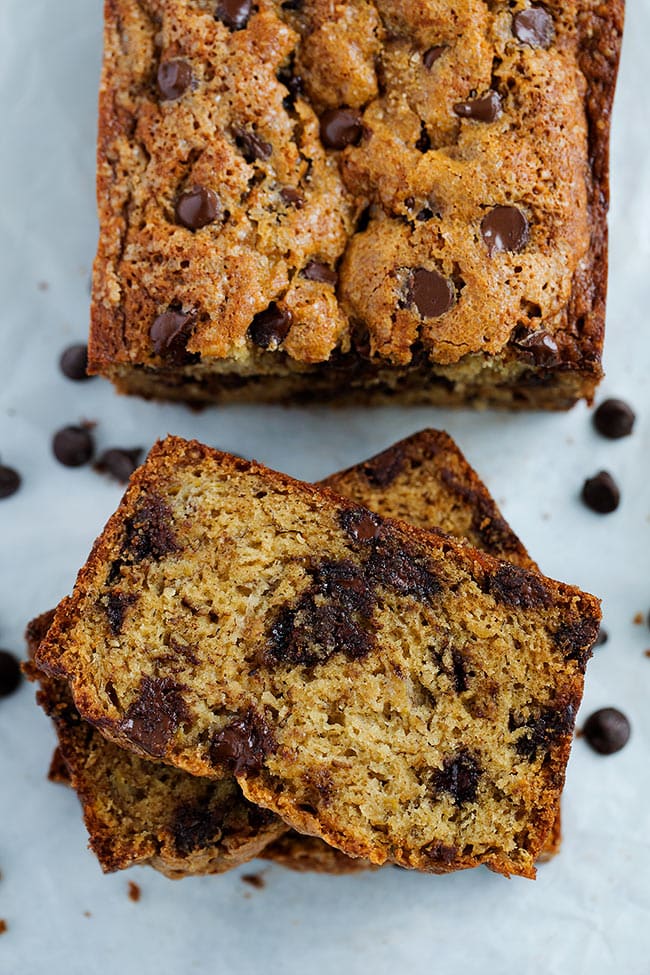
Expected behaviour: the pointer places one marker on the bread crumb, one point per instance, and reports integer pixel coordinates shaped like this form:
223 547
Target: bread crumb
255 880
3 925
134 892
638 619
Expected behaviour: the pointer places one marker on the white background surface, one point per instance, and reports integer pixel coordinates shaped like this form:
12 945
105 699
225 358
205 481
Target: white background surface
589 911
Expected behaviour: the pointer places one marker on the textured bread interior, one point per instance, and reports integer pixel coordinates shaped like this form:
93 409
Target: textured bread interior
400 695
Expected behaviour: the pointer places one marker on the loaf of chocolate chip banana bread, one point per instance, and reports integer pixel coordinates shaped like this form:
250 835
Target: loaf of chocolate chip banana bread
367 681
367 199
425 476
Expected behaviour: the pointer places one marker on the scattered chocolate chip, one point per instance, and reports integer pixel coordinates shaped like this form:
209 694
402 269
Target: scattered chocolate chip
4 927
234 13
154 716
430 292
270 328
505 228
362 525
73 446
601 493
252 147
340 127
10 674
10 481
74 362
318 271
515 586
174 78
198 207
255 880
119 463
243 745
602 638
381 470
293 197
538 344
459 776
116 605
607 731
148 533
487 108
396 568
169 335
134 892
431 55
423 141
533 27
614 419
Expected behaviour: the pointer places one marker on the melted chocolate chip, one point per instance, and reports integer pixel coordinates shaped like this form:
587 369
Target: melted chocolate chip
116 605
345 583
197 208
381 470
174 78
293 197
119 463
533 27
318 271
538 345
397 569
495 533
514 586
340 127
431 55
10 481
252 147
362 525
149 532
459 776
607 731
243 745
544 728
74 362
614 419
10 673
313 632
505 228
576 640
196 826
73 446
430 292
270 328
459 671
169 336
234 13
423 141
487 108
153 718
601 493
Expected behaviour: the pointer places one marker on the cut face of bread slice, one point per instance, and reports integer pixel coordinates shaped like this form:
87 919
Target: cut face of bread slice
395 692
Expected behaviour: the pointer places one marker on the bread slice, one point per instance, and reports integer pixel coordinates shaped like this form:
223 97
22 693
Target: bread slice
401 695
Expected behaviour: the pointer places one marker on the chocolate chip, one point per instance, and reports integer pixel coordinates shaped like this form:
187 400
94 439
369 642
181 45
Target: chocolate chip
293 197
614 419
251 146
430 292
243 745
340 127
533 27
174 78
116 605
148 533
169 335
313 632
538 344
542 729
10 674
487 108
431 55
73 446
74 362
362 525
394 567
601 493
505 228
514 586
318 271
152 719
291 81
607 731
270 328
195 826
576 640
198 207
234 13
10 481
423 141
381 470
345 583
119 463
459 776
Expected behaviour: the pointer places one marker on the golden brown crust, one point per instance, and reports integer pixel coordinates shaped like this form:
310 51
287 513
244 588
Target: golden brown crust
570 615
551 139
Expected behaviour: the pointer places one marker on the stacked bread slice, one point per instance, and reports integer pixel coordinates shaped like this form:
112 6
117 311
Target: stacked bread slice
367 671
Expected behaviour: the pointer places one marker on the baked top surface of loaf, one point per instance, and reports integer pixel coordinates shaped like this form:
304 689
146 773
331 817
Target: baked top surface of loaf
399 694
424 479
386 180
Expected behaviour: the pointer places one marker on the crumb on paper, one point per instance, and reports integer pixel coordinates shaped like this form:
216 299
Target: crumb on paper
638 619
646 653
43 285
87 914
255 880
134 892
3 925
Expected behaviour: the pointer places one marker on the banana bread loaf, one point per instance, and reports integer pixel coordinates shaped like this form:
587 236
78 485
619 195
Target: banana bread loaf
392 691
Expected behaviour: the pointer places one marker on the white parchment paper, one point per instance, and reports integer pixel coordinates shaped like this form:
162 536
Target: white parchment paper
589 911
